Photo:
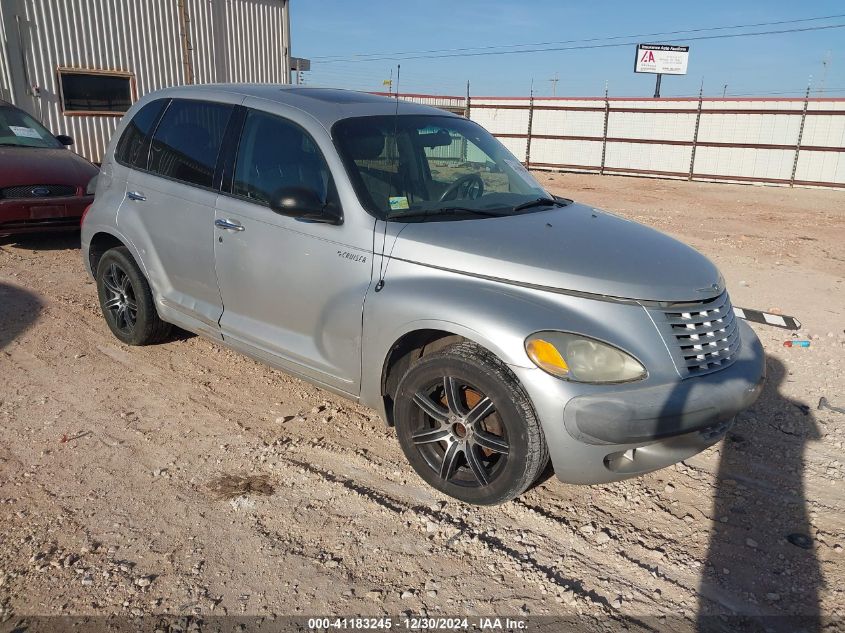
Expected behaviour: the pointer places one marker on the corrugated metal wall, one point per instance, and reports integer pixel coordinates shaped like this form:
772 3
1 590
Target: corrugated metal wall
5 76
130 35
744 140
231 40
237 40
255 33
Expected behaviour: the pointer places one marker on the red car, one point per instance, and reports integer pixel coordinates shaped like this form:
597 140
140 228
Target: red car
43 186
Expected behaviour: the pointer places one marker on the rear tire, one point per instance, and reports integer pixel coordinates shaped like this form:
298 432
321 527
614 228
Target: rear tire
126 300
467 426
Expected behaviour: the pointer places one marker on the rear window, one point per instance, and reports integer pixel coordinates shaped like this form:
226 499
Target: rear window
188 139
134 146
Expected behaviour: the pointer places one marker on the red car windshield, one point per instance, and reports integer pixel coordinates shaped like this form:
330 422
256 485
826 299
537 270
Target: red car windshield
18 129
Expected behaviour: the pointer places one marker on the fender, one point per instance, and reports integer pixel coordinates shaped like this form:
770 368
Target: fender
90 231
495 315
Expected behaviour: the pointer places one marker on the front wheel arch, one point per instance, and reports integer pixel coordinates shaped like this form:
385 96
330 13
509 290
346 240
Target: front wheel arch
409 348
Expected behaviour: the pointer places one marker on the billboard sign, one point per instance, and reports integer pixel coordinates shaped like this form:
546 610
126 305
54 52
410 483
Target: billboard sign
300 63
662 59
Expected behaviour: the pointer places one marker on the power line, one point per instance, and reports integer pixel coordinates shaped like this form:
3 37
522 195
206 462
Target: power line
594 46
496 49
798 93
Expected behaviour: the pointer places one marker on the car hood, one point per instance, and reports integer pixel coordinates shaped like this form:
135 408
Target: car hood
43 166
574 248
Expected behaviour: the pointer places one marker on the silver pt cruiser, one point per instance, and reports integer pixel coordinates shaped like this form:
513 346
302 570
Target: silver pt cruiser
400 256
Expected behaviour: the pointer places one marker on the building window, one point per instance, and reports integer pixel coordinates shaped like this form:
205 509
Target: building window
95 91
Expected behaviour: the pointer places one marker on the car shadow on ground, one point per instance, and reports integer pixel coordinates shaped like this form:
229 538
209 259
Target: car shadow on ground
42 241
19 309
761 571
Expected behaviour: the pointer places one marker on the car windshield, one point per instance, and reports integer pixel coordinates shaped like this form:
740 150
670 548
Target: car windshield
19 129
421 167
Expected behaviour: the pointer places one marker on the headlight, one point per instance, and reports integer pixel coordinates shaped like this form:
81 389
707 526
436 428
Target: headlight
91 189
581 359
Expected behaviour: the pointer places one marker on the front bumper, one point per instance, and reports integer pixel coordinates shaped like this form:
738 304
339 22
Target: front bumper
663 411
42 214
609 434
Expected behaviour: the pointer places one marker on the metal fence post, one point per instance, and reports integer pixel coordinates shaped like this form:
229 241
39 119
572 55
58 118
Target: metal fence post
800 137
695 133
466 107
604 133
530 124
463 138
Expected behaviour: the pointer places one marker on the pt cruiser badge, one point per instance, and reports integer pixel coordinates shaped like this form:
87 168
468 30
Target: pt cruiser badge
355 257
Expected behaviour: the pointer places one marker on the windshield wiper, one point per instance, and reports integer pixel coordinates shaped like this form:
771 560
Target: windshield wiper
540 202
430 213
486 212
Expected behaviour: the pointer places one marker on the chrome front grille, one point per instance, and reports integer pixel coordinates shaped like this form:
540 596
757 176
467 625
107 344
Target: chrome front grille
704 335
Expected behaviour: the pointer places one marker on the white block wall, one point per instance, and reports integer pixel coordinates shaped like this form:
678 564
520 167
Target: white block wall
746 140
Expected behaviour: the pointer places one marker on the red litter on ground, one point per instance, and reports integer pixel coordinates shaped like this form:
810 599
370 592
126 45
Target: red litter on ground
796 343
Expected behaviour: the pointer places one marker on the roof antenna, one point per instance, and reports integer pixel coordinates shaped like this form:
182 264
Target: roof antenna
382 269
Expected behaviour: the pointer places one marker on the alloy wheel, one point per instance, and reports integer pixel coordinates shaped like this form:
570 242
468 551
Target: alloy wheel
460 437
120 299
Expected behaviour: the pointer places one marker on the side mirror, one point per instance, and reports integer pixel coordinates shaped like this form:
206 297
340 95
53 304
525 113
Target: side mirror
305 204
64 139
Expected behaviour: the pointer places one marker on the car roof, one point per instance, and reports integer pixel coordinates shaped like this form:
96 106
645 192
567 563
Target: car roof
326 105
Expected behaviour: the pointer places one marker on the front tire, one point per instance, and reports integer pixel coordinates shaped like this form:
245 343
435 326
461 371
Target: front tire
467 426
126 300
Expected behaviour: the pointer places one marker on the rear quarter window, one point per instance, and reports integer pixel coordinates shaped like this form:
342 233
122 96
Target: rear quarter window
134 146
187 141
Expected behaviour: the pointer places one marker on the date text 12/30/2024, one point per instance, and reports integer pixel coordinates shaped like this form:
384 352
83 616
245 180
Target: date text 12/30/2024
410 623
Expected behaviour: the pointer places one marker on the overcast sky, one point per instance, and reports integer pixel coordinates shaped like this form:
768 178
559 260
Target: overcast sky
777 63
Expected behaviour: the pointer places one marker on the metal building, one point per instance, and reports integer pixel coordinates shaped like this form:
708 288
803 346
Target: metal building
77 65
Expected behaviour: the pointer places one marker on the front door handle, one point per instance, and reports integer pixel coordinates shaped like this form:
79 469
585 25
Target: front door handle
226 224
136 195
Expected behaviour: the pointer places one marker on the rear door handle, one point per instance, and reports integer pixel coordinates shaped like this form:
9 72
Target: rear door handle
226 224
136 195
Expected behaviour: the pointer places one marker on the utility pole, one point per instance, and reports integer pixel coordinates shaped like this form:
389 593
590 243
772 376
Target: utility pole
554 81
388 83
825 66
724 90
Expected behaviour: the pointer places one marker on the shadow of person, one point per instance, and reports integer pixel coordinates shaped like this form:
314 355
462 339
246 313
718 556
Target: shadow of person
19 309
761 571
64 240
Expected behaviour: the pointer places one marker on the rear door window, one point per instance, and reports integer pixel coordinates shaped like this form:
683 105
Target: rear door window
134 146
274 154
188 140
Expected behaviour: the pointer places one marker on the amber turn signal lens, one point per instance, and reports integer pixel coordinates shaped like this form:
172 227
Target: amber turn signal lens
546 356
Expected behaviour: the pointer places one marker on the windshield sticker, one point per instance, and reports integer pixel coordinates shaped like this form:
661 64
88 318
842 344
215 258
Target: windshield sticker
398 202
28 132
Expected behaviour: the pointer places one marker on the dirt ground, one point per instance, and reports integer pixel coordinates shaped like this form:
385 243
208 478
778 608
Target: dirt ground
107 455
